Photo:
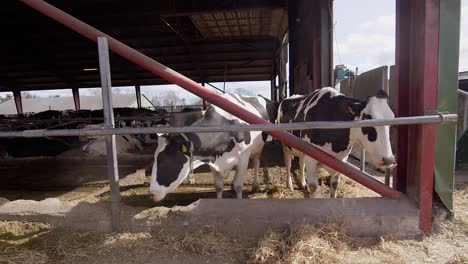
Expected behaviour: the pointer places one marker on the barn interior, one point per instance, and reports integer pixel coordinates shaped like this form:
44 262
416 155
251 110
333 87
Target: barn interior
208 41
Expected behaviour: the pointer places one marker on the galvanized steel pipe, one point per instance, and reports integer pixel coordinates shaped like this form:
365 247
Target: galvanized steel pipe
435 119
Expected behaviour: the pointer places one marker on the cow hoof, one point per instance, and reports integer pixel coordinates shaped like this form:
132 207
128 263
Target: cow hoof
191 181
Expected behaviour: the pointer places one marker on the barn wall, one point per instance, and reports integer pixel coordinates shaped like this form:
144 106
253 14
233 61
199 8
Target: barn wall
449 39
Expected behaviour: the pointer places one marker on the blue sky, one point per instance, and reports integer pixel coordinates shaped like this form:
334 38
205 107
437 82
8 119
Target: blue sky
365 38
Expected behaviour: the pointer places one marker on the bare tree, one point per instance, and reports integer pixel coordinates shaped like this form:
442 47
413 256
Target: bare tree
6 98
95 92
243 91
28 95
169 98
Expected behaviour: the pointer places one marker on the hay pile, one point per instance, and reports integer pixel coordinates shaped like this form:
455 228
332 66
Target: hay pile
302 244
38 243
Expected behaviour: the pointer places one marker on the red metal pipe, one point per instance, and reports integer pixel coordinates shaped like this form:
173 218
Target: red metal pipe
193 87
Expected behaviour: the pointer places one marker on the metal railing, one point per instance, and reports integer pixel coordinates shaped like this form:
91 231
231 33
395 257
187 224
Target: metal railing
415 120
174 77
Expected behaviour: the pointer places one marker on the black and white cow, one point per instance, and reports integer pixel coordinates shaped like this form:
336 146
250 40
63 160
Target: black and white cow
178 154
327 104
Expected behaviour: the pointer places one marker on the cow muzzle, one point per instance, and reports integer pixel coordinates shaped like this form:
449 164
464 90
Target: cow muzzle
156 196
388 162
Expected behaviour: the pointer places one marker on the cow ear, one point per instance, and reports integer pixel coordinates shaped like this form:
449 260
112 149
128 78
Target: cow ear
381 94
184 148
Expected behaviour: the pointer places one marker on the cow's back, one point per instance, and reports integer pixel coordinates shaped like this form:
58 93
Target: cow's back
321 105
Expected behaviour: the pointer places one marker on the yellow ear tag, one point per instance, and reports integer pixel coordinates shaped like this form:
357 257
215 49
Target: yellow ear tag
351 110
184 149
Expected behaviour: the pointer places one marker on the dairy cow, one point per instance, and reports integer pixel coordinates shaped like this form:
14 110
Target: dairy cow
327 104
124 144
178 154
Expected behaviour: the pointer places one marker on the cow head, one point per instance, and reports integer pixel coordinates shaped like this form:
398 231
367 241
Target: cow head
376 139
172 164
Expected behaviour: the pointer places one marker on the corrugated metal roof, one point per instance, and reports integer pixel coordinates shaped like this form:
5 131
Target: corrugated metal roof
242 23
39 104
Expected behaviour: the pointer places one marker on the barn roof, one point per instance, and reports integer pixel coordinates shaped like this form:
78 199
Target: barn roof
206 40
91 102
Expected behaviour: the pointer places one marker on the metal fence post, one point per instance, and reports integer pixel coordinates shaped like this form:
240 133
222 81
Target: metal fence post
112 164
363 160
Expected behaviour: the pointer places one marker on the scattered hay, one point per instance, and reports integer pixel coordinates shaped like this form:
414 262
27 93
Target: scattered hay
73 246
18 256
278 192
271 249
15 231
208 241
458 259
302 244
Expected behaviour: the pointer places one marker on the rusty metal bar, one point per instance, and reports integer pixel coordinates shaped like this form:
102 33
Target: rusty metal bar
112 163
195 88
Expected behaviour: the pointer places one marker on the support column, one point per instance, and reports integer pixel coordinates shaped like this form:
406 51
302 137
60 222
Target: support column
421 39
402 87
311 45
138 95
76 98
18 101
112 164
292 36
203 100
281 66
326 36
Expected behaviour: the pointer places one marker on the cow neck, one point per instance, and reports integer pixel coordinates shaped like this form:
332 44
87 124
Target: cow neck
354 134
183 135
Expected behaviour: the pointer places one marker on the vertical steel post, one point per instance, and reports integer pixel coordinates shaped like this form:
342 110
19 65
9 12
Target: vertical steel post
363 160
18 101
204 101
402 88
138 95
76 98
112 164
388 175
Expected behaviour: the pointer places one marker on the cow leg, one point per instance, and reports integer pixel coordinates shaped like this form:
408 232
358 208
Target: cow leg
238 181
287 162
302 172
311 167
219 183
334 180
191 178
256 163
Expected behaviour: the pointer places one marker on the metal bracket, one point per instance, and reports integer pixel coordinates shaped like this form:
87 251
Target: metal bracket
435 112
